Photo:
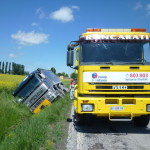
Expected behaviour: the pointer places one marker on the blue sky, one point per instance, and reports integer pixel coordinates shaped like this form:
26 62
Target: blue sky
36 32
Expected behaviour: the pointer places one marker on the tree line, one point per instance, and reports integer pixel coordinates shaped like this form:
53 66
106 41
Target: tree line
59 74
12 68
73 75
18 69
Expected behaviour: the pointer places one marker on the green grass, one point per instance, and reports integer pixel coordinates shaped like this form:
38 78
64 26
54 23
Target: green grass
20 130
11 113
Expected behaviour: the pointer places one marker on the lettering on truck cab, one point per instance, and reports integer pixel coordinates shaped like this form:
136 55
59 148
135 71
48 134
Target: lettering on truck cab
119 87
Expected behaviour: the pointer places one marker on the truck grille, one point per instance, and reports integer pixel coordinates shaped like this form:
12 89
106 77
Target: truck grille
119 90
111 87
115 88
95 83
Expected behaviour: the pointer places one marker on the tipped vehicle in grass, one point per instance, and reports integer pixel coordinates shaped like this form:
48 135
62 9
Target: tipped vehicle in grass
39 89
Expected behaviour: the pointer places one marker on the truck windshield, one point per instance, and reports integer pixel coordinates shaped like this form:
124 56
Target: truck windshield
114 52
28 87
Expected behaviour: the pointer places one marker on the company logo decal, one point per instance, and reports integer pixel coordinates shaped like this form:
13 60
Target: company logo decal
137 76
115 37
94 75
120 87
117 77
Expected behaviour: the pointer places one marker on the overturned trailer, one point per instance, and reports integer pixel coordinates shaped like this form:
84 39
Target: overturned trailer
39 89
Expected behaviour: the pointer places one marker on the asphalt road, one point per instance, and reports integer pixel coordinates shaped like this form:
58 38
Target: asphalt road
101 134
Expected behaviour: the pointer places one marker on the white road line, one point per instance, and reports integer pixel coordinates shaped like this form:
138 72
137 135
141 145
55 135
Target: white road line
72 134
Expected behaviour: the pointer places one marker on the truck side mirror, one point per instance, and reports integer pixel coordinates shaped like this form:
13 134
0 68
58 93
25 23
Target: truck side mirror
70 57
70 47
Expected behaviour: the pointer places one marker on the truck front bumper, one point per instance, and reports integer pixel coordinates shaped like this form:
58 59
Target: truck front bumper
112 107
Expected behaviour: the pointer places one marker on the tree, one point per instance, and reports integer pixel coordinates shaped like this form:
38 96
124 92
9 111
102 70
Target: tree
73 75
53 70
22 69
3 66
26 72
9 70
62 74
6 67
66 75
0 67
13 64
17 69
59 74
13 68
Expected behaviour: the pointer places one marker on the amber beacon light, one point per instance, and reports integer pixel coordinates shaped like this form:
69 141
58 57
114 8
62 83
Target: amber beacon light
138 30
115 30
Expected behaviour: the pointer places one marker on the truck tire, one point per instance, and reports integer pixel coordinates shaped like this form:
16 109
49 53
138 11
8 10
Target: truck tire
80 119
141 121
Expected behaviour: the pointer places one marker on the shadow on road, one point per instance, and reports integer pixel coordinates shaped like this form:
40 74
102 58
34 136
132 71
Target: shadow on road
102 125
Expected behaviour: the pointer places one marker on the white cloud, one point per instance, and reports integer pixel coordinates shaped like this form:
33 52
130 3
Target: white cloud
40 13
12 55
75 7
148 9
137 6
30 38
34 24
64 14
145 8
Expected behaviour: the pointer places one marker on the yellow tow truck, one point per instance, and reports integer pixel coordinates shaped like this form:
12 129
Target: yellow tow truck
113 68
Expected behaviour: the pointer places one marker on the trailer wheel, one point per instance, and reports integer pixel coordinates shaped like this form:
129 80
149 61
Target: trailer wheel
141 121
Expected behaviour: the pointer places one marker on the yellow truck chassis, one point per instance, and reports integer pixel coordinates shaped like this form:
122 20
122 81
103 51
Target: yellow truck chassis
118 86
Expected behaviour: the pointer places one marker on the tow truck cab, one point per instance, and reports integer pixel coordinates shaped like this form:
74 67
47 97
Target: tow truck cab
113 67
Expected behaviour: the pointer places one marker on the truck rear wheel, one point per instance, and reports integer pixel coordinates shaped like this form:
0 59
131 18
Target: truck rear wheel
141 121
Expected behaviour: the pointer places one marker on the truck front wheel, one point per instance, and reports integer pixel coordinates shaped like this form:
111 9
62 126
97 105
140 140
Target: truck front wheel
141 121
79 119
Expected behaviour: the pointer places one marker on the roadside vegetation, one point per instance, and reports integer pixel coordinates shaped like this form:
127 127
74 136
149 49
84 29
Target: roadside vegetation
20 129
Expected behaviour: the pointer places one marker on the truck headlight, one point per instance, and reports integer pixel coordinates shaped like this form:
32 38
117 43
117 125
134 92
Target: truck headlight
148 107
87 107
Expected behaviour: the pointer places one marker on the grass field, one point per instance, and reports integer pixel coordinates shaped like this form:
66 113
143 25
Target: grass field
20 130
9 82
